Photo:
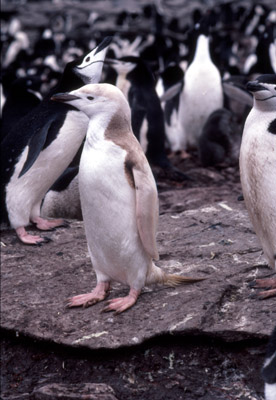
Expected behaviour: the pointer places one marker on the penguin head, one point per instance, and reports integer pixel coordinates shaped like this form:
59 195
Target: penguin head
94 99
264 91
89 67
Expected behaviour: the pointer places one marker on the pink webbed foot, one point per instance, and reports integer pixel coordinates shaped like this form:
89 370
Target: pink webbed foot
122 303
88 299
266 283
30 239
48 224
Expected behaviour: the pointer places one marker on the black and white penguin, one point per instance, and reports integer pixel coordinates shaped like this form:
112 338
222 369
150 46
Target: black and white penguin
41 146
263 59
63 198
258 170
21 97
171 82
202 91
220 139
119 199
269 368
137 82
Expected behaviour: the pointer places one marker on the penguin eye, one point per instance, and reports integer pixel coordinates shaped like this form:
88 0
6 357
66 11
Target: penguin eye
87 59
90 98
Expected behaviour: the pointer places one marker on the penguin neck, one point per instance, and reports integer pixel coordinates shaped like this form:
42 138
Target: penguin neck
97 127
265 106
202 52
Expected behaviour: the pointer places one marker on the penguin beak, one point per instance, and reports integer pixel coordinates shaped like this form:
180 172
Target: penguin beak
255 86
111 61
64 97
106 42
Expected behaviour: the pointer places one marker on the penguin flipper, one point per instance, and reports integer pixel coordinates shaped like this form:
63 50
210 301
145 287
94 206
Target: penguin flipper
172 92
146 211
36 144
237 93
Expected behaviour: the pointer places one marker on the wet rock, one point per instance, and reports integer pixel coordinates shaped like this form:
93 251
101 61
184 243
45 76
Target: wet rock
82 391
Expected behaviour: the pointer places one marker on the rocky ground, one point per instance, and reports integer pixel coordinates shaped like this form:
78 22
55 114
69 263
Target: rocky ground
202 341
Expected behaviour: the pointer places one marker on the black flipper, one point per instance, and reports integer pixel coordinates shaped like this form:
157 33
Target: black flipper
36 144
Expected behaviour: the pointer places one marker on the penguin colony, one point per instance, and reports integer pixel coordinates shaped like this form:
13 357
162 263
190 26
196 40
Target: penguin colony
185 83
205 87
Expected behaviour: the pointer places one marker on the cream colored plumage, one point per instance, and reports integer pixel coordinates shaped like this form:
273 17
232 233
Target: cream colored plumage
118 197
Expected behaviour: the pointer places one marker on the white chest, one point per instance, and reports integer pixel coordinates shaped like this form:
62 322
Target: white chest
109 213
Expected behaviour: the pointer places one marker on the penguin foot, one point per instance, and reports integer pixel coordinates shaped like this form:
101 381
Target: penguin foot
265 283
89 299
122 303
48 224
26 238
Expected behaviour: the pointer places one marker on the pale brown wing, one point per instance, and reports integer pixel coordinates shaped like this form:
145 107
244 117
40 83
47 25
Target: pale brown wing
146 209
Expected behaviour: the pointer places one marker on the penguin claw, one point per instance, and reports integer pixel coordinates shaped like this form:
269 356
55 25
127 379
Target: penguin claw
49 225
269 284
121 304
89 299
26 238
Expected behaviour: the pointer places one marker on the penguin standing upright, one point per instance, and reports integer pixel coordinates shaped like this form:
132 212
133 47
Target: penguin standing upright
258 170
41 146
202 91
118 198
21 97
137 82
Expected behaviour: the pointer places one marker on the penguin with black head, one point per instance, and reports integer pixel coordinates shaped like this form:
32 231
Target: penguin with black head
258 171
137 82
41 146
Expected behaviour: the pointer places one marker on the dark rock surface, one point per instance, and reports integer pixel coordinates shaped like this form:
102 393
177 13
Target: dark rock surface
173 341
214 241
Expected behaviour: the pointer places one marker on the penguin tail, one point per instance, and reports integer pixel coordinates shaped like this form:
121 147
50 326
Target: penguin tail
175 280
157 275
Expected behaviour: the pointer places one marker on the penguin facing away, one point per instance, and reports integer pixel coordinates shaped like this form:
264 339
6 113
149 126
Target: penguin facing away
119 199
41 146
258 170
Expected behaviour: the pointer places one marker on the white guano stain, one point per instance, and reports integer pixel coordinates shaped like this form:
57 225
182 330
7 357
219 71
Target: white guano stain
87 337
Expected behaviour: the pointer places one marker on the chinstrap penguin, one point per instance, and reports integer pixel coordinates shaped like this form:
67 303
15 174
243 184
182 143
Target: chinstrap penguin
220 139
41 146
258 170
137 82
63 198
119 199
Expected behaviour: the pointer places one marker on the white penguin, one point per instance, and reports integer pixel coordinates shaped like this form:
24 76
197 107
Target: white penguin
118 198
258 170
201 95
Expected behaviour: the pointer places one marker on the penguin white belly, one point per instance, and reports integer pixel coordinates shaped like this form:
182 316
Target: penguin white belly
109 214
270 391
201 96
258 174
172 132
24 194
